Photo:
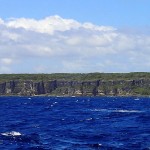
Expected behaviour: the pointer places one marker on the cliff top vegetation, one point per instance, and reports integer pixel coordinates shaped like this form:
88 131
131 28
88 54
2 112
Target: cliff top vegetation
76 76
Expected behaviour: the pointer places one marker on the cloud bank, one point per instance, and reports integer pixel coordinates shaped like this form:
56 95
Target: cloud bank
55 44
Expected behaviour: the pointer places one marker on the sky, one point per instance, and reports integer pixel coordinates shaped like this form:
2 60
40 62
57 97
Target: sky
80 36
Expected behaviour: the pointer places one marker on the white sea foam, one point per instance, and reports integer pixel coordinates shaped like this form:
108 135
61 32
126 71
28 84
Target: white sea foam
105 110
12 133
136 99
120 110
89 119
55 102
127 111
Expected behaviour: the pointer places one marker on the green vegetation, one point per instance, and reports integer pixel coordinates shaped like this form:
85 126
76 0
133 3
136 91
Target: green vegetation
141 91
75 76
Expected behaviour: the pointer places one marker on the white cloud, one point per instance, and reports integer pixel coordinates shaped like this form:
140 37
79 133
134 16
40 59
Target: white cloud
97 28
1 21
6 61
51 24
10 36
55 44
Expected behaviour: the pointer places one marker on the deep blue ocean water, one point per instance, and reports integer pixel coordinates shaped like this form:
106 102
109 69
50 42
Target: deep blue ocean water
74 123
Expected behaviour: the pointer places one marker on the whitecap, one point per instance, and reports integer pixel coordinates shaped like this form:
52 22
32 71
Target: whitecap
103 110
89 118
127 111
136 99
12 133
120 110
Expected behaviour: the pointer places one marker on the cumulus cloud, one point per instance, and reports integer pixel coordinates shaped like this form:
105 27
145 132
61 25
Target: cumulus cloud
51 24
55 44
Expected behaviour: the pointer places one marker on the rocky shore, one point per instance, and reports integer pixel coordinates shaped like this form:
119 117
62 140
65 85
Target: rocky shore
76 88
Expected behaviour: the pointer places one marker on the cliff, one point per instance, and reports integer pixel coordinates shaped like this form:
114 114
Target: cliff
73 86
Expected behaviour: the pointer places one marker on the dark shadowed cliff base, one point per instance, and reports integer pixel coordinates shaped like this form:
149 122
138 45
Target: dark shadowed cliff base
64 84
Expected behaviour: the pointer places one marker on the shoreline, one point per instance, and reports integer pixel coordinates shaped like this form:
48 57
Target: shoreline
133 96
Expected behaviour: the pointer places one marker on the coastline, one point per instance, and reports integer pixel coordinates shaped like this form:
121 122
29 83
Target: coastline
67 96
91 84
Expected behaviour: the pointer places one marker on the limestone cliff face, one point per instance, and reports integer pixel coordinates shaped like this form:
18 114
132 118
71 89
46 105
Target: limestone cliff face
76 88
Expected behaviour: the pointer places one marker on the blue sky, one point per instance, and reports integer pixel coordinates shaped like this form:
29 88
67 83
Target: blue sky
74 36
103 12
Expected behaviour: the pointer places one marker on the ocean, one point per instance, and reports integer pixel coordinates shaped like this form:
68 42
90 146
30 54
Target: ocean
74 123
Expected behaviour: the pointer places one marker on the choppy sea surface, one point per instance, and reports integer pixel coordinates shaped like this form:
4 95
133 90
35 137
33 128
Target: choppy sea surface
74 123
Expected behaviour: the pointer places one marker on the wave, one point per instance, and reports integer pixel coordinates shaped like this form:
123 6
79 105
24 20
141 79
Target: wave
128 111
12 133
120 110
136 99
18 137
